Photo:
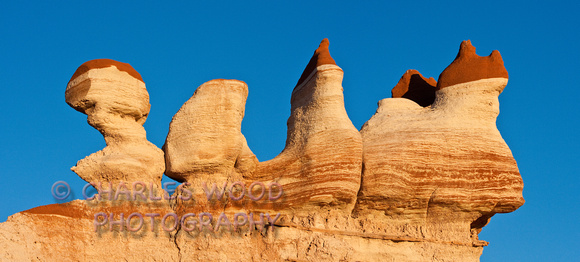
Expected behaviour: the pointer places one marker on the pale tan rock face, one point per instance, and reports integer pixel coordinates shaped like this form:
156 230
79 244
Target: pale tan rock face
113 96
65 232
313 169
440 171
417 183
205 138
205 142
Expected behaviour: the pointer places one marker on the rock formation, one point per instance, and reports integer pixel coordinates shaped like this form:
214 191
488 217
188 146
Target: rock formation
468 66
205 142
441 171
418 183
113 96
415 87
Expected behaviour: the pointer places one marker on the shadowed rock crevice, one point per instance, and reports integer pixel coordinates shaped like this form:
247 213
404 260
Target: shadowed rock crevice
415 87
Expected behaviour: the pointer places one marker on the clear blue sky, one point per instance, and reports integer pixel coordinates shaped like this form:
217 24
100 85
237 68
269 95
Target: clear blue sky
177 47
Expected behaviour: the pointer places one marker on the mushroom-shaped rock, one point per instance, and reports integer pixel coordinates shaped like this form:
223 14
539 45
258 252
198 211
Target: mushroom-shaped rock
113 96
432 176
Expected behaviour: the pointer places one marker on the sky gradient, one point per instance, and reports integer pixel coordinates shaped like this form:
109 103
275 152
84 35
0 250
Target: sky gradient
177 47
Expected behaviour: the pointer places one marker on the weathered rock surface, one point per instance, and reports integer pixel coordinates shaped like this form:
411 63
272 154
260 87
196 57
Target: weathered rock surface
66 232
205 142
205 138
441 171
113 96
417 183
414 86
468 66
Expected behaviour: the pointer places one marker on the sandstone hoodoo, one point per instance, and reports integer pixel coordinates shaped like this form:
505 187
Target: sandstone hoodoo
418 183
205 142
320 57
114 98
442 171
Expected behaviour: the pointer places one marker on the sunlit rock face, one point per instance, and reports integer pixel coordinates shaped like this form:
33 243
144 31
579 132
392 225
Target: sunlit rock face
316 171
418 183
114 98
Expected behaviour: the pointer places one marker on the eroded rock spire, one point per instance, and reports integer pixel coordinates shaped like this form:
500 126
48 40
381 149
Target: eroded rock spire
205 142
114 98
320 57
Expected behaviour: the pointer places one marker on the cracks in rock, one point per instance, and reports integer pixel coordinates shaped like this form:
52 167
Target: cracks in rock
174 205
431 197
175 242
354 212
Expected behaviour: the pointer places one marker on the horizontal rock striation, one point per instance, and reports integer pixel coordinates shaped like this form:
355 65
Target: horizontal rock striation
114 98
205 138
205 142
418 183
442 171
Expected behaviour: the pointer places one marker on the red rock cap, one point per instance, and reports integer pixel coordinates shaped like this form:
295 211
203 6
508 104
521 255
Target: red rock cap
102 63
468 66
321 57
414 86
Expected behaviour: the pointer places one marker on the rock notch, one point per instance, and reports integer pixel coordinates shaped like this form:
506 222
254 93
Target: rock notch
415 87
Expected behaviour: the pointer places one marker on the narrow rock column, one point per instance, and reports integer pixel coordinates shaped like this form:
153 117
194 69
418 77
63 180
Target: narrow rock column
322 161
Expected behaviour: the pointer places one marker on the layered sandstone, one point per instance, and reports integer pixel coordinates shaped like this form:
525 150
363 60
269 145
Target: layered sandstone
205 142
114 98
418 183
441 171
205 138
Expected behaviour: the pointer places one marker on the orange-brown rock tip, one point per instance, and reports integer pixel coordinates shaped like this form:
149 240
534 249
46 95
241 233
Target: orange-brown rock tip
468 66
414 86
320 57
102 63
